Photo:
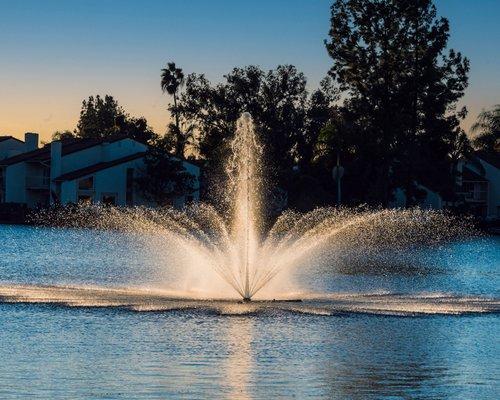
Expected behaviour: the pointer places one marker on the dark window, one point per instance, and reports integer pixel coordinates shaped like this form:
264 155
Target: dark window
86 183
85 199
109 199
475 191
129 195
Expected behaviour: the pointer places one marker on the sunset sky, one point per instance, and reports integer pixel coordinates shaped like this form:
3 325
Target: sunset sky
53 54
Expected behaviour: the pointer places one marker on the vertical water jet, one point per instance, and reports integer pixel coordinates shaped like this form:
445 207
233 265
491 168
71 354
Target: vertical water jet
244 191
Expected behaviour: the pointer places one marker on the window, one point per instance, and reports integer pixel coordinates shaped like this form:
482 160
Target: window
475 191
86 183
129 194
84 199
109 199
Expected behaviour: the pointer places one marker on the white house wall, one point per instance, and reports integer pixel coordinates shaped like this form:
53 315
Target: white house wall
493 175
100 153
114 180
195 171
122 148
111 180
106 181
10 148
17 179
69 192
15 183
432 199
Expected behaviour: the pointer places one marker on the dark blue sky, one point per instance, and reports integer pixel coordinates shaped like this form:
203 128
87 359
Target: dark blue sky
55 53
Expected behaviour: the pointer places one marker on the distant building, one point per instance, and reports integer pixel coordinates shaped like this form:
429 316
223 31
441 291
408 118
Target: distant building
80 170
11 146
478 184
477 187
431 201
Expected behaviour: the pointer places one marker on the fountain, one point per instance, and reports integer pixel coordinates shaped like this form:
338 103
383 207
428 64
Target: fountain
234 245
243 174
203 302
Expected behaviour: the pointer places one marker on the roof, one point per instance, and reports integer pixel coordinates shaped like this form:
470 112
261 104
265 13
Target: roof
470 175
68 146
98 167
7 137
490 158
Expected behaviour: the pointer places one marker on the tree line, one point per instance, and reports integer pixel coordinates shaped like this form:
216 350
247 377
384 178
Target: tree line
387 112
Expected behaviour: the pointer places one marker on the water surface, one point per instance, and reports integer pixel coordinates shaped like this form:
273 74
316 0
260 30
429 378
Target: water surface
59 352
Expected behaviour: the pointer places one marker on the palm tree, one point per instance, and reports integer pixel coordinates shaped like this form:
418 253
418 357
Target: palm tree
172 78
487 128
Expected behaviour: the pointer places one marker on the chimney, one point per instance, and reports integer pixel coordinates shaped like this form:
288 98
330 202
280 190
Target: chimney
30 141
55 169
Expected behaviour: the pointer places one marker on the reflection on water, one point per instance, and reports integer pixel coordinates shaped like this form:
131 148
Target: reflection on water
59 353
50 351
239 363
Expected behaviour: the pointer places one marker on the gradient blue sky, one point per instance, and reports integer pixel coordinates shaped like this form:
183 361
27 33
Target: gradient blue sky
55 53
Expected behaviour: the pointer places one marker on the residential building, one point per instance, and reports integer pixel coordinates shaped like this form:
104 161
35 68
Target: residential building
431 201
478 184
11 146
81 170
477 188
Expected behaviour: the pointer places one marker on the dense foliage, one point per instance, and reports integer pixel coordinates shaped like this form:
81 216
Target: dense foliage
387 111
287 119
164 177
487 129
102 117
400 86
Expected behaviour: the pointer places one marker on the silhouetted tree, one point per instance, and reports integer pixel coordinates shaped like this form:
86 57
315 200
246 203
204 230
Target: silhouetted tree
164 177
102 117
136 128
172 78
400 90
320 114
63 135
487 130
287 120
98 116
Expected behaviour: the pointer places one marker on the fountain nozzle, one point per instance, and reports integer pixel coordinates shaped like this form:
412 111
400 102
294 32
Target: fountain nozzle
247 299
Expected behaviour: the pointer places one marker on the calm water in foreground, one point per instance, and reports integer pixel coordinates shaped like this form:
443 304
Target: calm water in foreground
56 352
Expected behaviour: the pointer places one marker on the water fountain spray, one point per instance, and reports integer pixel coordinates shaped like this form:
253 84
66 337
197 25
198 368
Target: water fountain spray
244 191
234 246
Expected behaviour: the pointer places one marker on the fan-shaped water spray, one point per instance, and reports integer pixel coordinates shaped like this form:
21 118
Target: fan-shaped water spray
234 245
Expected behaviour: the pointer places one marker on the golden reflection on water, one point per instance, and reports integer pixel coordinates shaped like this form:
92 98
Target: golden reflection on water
240 363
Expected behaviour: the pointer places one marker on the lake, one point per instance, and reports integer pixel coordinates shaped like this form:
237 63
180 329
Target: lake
111 351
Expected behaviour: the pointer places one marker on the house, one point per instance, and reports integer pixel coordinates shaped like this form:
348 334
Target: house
431 201
477 187
80 170
478 184
11 146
